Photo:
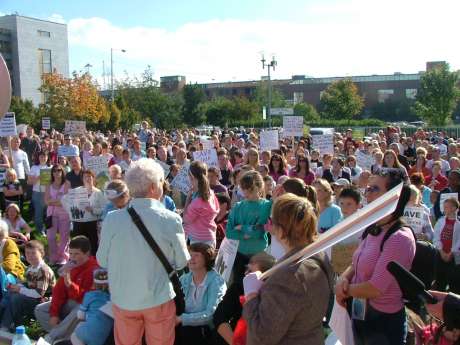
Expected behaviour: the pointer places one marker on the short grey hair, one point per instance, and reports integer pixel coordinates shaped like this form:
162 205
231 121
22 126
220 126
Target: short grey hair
143 173
3 229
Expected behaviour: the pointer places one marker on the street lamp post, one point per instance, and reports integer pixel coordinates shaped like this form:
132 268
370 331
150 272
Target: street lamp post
272 65
111 71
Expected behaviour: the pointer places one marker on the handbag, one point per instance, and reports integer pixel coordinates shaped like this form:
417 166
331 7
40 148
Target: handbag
172 273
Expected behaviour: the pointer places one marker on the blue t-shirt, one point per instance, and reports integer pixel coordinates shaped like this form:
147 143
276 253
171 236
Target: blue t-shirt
329 217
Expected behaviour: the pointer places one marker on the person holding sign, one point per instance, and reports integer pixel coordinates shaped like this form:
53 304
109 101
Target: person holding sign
371 292
447 240
201 207
34 179
289 307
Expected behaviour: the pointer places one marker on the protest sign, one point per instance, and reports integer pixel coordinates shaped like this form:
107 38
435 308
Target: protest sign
99 166
45 177
46 123
413 216
181 181
269 140
75 127
352 225
166 167
292 126
443 197
358 133
209 157
341 326
21 129
77 201
226 258
364 160
208 144
5 87
324 143
8 125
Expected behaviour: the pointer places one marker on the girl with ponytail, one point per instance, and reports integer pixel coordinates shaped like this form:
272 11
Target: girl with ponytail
201 207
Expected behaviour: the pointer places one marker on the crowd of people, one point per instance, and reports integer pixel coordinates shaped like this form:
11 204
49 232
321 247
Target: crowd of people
100 279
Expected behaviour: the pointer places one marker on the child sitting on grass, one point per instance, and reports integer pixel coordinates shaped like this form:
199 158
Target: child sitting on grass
17 225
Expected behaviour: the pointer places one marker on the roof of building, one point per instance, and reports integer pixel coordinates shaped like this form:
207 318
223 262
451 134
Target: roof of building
38 19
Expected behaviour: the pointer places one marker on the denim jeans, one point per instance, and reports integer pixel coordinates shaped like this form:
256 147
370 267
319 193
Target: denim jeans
38 200
381 328
17 308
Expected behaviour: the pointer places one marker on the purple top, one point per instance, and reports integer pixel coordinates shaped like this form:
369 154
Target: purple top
308 179
370 266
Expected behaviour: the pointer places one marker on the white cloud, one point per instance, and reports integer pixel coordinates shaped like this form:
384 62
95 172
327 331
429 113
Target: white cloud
353 37
57 18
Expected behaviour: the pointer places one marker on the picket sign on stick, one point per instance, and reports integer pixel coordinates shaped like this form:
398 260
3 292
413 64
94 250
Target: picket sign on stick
371 213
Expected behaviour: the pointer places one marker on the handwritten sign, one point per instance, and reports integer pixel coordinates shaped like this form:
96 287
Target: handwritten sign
99 166
181 181
413 216
75 127
293 126
443 197
209 157
324 143
77 201
364 160
46 123
269 140
8 125
226 258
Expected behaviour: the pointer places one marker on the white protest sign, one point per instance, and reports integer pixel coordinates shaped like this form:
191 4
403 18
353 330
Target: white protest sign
293 126
324 143
209 157
341 325
75 127
208 144
269 140
182 182
354 224
226 258
100 167
413 216
8 125
77 200
166 167
46 123
443 197
364 160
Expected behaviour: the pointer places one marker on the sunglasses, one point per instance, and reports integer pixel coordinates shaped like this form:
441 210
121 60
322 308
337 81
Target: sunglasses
372 189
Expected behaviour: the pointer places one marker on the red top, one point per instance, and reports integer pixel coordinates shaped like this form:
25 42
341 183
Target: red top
82 281
447 234
442 182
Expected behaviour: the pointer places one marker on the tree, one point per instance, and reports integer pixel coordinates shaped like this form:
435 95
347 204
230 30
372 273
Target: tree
341 100
193 95
115 117
217 111
76 98
307 111
25 111
261 96
438 95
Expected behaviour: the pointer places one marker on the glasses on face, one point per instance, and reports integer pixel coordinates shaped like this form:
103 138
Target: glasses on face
276 160
302 161
372 189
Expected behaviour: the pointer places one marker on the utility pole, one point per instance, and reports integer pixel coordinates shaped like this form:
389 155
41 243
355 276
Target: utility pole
111 71
272 65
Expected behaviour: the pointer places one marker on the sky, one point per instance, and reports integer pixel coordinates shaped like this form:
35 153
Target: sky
219 41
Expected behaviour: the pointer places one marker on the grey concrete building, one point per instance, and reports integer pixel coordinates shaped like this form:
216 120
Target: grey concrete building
32 47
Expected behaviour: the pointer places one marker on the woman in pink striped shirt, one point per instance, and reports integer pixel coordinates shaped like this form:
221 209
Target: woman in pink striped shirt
377 307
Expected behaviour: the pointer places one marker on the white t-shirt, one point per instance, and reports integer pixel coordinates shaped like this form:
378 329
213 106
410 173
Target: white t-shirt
21 164
35 171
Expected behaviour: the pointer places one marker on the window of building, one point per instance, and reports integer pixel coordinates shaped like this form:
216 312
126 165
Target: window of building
383 95
411 93
44 60
298 97
43 33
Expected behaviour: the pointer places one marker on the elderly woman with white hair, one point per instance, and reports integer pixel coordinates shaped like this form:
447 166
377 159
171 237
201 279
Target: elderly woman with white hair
141 292
12 269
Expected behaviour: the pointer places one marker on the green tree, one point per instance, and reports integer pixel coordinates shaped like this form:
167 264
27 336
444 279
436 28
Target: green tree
115 117
193 96
25 111
217 111
438 95
260 96
341 100
307 111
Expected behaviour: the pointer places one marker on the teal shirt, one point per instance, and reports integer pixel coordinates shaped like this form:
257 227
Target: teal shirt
252 216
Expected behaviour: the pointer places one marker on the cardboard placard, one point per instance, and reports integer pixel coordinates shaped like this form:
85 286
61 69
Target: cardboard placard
209 157
45 177
77 200
46 123
293 126
413 216
100 167
324 143
226 258
364 160
8 125
182 182
269 140
75 127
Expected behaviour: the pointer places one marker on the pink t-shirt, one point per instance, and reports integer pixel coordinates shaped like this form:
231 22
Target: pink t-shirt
371 266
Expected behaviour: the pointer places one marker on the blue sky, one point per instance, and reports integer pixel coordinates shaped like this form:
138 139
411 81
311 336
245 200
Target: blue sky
222 40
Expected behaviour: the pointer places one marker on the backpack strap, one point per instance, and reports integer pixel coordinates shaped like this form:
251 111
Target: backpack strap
394 228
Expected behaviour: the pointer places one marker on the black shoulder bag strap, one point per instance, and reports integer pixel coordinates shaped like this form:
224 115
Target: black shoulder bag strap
172 274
